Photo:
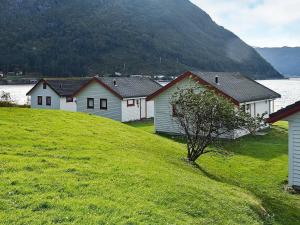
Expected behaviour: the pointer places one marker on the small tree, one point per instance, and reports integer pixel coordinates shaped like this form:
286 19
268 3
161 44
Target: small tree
204 116
253 124
6 100
5 97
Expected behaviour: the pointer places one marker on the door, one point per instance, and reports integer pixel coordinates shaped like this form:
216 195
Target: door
143 108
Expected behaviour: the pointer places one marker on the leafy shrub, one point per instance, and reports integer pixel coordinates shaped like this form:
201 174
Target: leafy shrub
6 101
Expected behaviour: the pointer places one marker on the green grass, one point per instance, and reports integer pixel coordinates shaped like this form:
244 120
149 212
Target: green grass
72 168
146 125
259 165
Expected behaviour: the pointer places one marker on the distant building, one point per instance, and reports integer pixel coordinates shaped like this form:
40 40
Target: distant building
120 98
118 74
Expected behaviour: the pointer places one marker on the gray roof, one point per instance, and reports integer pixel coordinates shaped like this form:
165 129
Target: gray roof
129 87
238 86
66 87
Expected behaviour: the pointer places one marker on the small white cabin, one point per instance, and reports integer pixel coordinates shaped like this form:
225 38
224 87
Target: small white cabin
54 94
292 115
121 99
242 91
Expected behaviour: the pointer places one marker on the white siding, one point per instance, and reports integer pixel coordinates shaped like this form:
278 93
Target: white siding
166 123
294 150
39 91
163 119
97 92
131 113
150 109
68 106
260 107
139 111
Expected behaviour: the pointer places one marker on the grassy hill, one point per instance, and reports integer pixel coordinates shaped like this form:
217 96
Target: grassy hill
72 168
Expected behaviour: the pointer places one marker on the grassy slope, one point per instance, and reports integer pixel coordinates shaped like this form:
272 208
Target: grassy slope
256 164
58 167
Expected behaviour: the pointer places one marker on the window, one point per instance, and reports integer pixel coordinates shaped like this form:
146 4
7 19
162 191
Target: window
48 100
130 102
174 111
44 86
103 104
69 99
40 100
248 107
90 103
243 108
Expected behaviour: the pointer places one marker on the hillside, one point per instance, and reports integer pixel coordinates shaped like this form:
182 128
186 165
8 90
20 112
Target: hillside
100 36
286 60
81 169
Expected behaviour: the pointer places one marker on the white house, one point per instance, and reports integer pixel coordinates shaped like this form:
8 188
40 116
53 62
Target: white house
55 94
121 99
241 90
292 115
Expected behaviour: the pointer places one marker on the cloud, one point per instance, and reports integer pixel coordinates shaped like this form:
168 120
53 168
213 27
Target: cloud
258 22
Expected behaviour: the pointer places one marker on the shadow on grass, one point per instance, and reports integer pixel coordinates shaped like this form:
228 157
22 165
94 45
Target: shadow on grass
267 147
277 211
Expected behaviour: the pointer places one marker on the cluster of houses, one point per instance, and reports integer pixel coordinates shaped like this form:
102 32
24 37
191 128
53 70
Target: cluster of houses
135 98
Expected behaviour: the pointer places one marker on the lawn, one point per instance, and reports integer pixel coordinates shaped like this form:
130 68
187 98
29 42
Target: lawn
257 164
71 168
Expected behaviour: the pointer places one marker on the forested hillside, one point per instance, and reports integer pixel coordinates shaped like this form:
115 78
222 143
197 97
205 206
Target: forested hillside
129 36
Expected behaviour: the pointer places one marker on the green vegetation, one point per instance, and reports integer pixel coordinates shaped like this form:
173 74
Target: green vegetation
72 168
257 164
100 36
146 125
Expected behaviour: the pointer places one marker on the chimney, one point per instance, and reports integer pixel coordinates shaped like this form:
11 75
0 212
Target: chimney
115 83
217 80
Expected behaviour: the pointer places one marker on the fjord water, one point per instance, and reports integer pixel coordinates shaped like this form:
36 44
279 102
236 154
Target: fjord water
289 90
17 92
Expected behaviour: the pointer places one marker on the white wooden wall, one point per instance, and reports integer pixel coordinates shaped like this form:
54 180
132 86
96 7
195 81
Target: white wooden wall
294 150
39 91
68 106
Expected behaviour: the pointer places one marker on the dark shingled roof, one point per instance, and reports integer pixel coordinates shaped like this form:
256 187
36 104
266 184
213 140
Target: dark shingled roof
237 86
129 87
66 87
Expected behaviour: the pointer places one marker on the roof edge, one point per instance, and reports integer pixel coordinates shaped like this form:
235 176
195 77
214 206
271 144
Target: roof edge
95 79
38 83
275 93
169 85
198 80
284 113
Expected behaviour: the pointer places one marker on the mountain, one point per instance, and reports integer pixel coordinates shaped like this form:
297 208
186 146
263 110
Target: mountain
75 37
286 60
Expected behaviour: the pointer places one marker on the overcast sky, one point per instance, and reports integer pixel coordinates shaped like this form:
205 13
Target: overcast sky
262 23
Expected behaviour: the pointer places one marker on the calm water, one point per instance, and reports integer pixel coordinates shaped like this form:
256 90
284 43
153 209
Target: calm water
289 90
17 92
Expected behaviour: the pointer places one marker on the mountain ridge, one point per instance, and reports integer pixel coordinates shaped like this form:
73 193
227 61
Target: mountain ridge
128 36
285 59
